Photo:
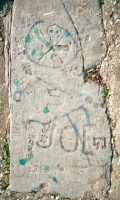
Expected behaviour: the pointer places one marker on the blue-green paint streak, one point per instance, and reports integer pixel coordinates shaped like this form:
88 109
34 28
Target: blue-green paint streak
24 161
27 70
68 34
28 39
33 52
46 110
62 90
16 82
41 53
55 180
46 168
63 69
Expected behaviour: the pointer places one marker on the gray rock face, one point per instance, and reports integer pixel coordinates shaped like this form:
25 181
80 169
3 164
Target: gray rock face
5 7
60 135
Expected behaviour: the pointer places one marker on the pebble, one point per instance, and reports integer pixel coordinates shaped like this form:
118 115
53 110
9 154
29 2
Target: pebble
1 175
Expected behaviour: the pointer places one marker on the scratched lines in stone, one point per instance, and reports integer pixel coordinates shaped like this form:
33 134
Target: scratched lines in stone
56 91
55 35
55 46
46 141
17 98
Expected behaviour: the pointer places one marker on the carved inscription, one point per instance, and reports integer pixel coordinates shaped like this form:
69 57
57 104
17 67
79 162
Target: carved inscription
91 143
99 142
84 149
55 45
68 140
45 136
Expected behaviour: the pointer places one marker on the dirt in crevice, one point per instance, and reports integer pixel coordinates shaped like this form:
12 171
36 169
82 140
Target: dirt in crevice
4 109
110 72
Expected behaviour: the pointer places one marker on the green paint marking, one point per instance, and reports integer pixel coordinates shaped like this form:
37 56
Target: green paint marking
63 69
62 90
46 110
68 34
41 53
36 31
46 168
27 70
33 52
28 39
55 180
24 161
16 82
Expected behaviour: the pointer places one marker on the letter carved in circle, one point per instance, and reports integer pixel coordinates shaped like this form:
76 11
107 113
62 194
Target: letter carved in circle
54 47
68 140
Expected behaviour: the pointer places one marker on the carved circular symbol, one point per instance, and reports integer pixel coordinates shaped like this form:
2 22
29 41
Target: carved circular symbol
17 95
50 46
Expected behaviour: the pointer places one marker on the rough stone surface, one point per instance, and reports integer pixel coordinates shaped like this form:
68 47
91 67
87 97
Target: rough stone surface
60 135
110 71
4 111
110 17
110 67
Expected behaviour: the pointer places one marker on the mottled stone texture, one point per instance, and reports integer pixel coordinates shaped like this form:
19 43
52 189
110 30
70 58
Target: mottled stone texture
60 135
4 111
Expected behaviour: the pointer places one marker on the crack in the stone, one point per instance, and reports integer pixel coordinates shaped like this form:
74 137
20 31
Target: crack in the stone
107 45
75 31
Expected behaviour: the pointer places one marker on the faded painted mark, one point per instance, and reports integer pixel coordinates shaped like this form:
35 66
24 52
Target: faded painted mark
46 110
68 34
41 53
33 52
24 161
16 82
55 180
46 168
28 38
58 34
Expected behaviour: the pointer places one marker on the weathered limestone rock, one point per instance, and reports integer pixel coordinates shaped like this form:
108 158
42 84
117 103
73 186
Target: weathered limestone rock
60 135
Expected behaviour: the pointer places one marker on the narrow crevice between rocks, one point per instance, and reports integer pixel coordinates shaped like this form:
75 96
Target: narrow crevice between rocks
105 86
4 112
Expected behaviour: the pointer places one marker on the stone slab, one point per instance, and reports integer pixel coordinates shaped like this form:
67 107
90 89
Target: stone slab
60 134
